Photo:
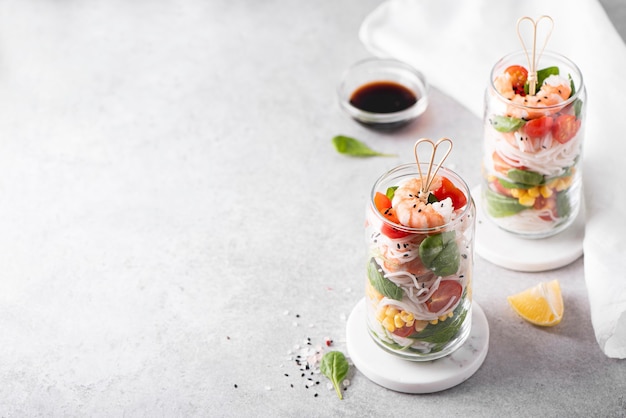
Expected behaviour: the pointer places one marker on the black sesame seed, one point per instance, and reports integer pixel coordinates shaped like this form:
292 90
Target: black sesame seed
287 374
315 395
236 386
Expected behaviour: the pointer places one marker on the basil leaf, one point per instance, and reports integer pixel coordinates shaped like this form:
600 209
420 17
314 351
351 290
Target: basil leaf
440 254
355 148
525 177
443 331
383 285
541 77
500 206
578 107
335 367
432 198
563 205
506 123
510 185
391 191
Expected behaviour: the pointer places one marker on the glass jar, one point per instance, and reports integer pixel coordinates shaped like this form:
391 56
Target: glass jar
532 162
419 267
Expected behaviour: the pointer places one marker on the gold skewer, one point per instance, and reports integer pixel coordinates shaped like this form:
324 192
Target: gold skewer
429 179
532 62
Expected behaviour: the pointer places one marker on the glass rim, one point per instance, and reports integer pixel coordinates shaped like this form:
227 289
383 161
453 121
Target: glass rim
552 54
408 229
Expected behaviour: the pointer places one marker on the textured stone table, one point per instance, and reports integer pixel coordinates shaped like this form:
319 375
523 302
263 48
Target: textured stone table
176 225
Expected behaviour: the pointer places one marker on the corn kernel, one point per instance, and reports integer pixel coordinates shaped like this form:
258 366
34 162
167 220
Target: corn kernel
434 322
407 316
526 200
450 314
533 192
388 323
380 315
420 325
545 191
391 311
515 192
397 321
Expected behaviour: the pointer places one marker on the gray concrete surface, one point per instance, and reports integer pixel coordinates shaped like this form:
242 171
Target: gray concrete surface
176 223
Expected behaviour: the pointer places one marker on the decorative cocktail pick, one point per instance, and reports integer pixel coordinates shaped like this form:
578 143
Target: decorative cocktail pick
534 58
429 178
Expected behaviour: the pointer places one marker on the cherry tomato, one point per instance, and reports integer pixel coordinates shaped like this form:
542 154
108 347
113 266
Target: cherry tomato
404 331
498 187
448 189
447 290
565 128
383 204
518 75
542 203
538 128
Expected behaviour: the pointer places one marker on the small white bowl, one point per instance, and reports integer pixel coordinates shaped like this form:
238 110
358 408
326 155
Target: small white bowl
376 70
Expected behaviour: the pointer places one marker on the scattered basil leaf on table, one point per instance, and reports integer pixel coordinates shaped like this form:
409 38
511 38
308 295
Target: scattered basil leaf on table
335 367
355 148
383 285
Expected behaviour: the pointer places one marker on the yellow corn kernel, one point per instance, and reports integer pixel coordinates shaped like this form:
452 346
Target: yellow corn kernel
533 192
443 317
515 192
545 191
388 323
526 200
391 311
434 322
380 315
407 316
420 325
397 321
450 314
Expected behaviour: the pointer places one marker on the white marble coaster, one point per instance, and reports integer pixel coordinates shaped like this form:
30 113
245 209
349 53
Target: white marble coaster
406 376
530 255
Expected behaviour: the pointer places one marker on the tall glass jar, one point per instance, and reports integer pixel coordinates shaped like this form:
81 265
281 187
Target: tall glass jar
532 163
419 266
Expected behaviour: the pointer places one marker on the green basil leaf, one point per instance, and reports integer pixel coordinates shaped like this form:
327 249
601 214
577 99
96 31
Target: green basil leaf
506 123
511 185
541 76
335 367
545 73
578 107
440 254
383 285
525 177
563 205
443 331
355 148
432 198
391 191
500 206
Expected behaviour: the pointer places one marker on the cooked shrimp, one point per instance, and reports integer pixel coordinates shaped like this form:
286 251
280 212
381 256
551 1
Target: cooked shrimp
554 90
413 209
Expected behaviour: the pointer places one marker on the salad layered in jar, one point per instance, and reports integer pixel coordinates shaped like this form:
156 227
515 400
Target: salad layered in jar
419 268
533 145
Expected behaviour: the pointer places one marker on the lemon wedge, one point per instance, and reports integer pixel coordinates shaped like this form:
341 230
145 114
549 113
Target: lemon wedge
540 305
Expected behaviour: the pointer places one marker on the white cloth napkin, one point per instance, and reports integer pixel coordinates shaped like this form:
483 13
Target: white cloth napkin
455 44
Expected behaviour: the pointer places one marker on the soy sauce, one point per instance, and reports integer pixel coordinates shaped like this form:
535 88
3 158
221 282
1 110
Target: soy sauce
383 97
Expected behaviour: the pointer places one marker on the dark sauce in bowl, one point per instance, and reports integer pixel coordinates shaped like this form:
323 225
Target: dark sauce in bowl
383 97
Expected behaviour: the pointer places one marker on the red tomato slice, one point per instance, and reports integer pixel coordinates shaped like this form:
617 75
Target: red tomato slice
565 128
538 128
448 189
404 331
383 204
518 75
447 290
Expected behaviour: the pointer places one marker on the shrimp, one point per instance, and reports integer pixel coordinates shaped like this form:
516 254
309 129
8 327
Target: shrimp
412 207
554 90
